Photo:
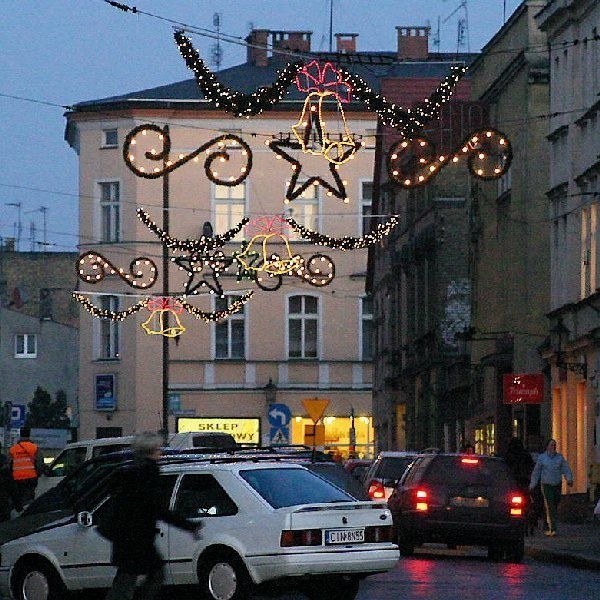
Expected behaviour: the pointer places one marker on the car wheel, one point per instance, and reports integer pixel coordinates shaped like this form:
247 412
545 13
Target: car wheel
37 580
516 551
224 576
343 587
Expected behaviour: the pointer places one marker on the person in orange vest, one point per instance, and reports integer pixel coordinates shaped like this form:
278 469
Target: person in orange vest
27 463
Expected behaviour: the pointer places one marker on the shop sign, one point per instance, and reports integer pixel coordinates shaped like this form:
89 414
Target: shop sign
523 388
245 430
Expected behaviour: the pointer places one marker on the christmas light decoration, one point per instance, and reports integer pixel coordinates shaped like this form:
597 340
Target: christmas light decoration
318 270
157 322
197 263
414 162
102 313
293 189
225 144
271 262
311 131
217 315
266 224
92 267
345 243
409 122
241 105
203 244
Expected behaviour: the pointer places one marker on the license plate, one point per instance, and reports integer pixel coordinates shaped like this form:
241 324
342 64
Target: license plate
461 502
344 536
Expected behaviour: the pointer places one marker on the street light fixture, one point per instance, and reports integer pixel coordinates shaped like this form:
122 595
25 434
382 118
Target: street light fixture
558 332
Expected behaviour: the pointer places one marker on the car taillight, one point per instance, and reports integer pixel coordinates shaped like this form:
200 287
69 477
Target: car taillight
469 461
376 490
380 533
516 505
301 537
421 503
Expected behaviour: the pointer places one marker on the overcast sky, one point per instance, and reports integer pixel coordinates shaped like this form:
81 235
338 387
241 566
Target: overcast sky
56 53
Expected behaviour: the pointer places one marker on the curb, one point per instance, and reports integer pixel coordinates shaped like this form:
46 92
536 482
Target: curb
564 558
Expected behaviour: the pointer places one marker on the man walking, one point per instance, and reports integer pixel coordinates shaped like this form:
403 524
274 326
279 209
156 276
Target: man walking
549 470
27 463
135 510
9 497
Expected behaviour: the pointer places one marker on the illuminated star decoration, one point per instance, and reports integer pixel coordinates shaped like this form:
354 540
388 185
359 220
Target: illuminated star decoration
209 266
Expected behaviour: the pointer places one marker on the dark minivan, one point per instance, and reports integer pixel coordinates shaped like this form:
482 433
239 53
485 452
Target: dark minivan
460 499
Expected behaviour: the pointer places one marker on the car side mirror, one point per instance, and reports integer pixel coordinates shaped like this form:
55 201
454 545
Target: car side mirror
84 518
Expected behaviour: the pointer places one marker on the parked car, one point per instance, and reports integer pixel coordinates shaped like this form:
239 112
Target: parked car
75 453
460 499
264 522
357 467
385 472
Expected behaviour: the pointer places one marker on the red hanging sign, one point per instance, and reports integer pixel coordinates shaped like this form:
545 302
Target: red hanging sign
523 388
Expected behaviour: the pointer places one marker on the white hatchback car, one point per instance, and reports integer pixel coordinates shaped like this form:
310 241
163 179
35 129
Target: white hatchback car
264 522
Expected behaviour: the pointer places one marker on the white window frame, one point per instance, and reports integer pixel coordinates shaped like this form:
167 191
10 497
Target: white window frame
27 337
363 203
114 206
219 203
362 319
297 210
112 328
303 317
105 135
235 317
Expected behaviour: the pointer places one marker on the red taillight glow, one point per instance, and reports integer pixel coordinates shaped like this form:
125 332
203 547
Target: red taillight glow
516 505
376 490
379 534
301 537
469 461
421 504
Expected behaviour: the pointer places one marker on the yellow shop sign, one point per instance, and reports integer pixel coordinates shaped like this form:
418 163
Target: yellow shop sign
245 430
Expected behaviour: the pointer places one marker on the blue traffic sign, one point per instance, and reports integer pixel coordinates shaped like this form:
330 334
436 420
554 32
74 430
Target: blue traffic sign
280 435
17 416
280 415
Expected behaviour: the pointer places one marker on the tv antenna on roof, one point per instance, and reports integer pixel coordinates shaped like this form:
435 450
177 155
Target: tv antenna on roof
216 50
462 31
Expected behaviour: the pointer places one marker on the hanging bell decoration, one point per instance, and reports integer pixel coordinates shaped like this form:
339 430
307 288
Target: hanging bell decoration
158 323
313 133
269 261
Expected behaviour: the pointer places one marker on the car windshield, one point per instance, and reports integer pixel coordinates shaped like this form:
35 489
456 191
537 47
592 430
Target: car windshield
292 487
468 470
393 467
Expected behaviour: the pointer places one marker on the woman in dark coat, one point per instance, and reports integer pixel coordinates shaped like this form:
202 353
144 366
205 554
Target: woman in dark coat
136 507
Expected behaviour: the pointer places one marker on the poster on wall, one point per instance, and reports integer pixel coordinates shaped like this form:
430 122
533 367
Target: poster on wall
106 392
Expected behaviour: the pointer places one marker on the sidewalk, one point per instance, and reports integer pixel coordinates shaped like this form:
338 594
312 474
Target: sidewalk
576 545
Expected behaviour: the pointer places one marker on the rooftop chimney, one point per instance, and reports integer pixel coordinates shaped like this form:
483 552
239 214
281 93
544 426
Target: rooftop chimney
345 42
413 43
296 41
257 47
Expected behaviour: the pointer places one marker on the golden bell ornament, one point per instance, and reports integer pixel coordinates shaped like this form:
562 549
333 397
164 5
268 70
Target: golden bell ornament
159 323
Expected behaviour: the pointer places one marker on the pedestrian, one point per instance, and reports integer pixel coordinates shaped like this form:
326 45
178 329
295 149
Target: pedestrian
136 507
9 496
549 470
27 465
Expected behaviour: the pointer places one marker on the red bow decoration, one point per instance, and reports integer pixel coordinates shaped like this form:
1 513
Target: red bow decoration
267 224
321 80
164 303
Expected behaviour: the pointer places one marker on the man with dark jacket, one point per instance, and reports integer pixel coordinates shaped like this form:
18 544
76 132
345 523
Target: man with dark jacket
136 507
9 497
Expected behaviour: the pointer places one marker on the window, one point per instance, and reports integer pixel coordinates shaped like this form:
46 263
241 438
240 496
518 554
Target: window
230 207
366 330
303 326
370 138
230 340
110 138
366 203
109 330
305 210
203 496
110 211
26 345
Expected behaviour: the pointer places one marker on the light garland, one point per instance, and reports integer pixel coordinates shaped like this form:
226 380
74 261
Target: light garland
203 244
241 105
413 163
216 315
92 268
345 243
225 143
102 313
